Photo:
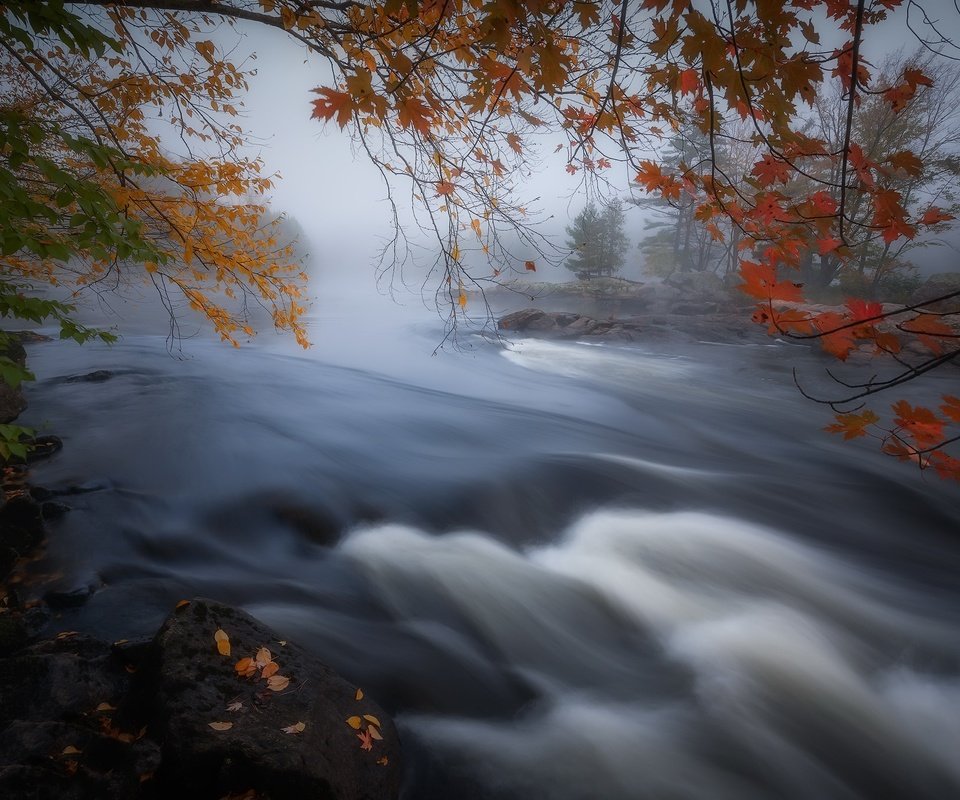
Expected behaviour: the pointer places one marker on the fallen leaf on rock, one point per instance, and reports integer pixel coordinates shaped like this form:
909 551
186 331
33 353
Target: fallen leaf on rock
71 766
296 728
372 719
269 670
106 707
221 726
181 604
366 741
282 642
277 683
383 761
66 634
359 695
263 657
374 731
235 706
70 750
245 667
223 642
354 722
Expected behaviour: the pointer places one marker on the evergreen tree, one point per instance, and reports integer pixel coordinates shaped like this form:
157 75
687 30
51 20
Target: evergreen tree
597 241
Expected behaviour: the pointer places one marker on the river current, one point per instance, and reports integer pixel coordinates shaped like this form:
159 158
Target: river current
571 572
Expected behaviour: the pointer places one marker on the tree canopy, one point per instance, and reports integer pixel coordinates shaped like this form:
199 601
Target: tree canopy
448 99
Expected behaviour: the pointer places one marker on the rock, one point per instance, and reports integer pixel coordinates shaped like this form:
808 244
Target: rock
580 327
565 319
936 286
72 598
58 679
194 685
523 320
695 308
98 376
53 510
44 446
13 634
21 525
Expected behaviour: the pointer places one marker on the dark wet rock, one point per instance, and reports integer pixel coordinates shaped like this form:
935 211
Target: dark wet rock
527 319
97 376
39 493
8 557
60 678
12 401
318 526
21 524
195 684
13 634
53 510
44 447
70 598
696 308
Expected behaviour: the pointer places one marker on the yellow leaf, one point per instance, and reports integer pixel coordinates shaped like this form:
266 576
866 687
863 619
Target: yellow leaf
106 707
359 695
223 642
221 726
277 683
245 667
374 731
372 719
462 300
354 722
181 604
263 657
455 253
298 727
70 750
476 228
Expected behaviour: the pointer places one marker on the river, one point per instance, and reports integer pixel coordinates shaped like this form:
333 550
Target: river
571 572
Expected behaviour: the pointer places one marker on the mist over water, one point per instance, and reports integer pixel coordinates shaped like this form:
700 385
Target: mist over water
570 572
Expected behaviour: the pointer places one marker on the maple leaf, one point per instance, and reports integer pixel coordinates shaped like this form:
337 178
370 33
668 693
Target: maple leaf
853 425
933 215
366 740
862 310
444 188
530 266
514 141
907 161
688 81
770 170
412 112
951 407
828 244
223 642
929 329
333 104
921 423
836 340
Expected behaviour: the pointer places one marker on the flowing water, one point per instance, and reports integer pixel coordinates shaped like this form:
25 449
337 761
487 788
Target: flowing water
569 571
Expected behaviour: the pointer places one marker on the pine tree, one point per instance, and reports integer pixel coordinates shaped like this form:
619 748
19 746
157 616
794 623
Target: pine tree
597 241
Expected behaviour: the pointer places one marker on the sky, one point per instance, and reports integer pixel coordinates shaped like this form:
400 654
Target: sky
339 198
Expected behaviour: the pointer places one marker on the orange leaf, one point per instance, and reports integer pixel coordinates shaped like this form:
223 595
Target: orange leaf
245 667
853 426
223 642
358 695
221 726
270 669
951 407
354 722
332 103
688 81
906 161
298 727
181 604
770 170
529 266
838 343
935 215
263 657
412 112
444 188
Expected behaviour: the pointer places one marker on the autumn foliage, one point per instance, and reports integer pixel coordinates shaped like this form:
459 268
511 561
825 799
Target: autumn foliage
449 98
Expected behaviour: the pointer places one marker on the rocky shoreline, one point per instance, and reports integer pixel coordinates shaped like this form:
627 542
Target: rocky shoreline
215 705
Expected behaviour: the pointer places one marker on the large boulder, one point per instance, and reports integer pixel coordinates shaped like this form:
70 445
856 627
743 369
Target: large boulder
315 736
935 286
528 319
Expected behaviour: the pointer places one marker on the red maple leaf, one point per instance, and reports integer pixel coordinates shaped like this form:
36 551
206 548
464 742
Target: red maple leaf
770 170
332 103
